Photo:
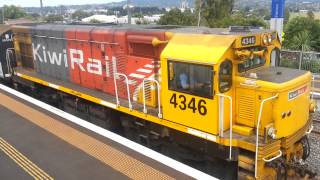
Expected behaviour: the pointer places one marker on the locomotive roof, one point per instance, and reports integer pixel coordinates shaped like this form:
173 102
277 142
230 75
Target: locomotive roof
151 28
195 44
198 48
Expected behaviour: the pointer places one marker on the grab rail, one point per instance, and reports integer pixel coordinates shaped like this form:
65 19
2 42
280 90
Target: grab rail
276 157
9 50
257 136
116 88
221 111
310 130
144 96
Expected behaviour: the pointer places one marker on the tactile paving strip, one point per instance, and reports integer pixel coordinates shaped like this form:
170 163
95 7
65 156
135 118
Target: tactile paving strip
119 161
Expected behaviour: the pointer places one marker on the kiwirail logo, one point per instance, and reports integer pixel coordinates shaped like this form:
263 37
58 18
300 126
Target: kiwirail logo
76 57
7 38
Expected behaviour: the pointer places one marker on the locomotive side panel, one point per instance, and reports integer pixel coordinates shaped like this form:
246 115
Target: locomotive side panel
59 56
83 56
41 49
70 34
99 54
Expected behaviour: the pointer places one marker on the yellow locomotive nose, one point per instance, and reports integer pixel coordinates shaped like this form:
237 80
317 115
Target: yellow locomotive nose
286 114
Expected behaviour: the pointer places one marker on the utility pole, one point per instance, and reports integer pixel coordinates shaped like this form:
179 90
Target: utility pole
129 11
41 7
2 14
199 15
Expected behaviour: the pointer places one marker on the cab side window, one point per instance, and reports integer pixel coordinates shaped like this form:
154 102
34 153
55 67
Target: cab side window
225 76
191 78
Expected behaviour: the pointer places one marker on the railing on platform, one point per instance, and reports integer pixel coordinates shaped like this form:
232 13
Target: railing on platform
309 61
257 133
115 77
145 110
221 120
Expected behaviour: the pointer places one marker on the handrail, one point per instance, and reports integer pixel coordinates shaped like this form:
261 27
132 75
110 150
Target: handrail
257 135
144 94
77 40
8 59
116 88
230 139
276 157
310 130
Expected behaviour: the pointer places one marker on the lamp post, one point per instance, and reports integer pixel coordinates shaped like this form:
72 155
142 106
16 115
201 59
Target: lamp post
199 15
2 14
129 11
41 6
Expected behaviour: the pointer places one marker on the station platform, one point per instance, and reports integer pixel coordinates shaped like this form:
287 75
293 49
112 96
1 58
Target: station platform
38 144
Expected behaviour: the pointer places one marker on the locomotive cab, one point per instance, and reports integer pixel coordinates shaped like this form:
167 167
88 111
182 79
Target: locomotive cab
198 69
190 67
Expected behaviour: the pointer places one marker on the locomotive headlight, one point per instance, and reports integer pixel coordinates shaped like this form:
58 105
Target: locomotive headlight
265 39
269 39
272 132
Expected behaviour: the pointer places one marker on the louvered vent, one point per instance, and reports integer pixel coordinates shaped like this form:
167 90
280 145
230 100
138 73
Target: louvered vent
246 109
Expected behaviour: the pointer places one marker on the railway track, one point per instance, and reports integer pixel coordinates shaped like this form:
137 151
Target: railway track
317 123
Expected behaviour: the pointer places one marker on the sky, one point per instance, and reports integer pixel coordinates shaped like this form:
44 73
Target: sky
34 3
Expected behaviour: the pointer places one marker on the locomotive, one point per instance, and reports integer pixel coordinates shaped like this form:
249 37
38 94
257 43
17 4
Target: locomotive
215 98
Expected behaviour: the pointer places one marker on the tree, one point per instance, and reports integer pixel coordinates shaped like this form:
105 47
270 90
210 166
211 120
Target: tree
240 20
286 15
53 18
302 32
176 17
79 15
301 41
13 12
214 10
310 14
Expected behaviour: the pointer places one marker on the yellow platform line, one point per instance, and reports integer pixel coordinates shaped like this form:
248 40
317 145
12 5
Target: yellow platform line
108 155
29 167
30 163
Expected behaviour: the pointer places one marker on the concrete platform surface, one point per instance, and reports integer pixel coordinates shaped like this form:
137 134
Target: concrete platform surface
36 144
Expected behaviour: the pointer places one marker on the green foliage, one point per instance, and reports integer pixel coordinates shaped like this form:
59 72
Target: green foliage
137 15
13 12
142 21
310 15
53 18
79 14
213 11
94 21
239 20
302 33
176 17
286 15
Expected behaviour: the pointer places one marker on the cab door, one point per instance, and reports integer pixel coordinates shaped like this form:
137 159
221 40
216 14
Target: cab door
188 95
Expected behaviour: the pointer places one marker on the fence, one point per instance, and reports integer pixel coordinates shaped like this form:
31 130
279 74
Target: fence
309 61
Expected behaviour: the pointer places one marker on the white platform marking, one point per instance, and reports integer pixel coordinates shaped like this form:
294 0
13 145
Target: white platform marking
114 137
